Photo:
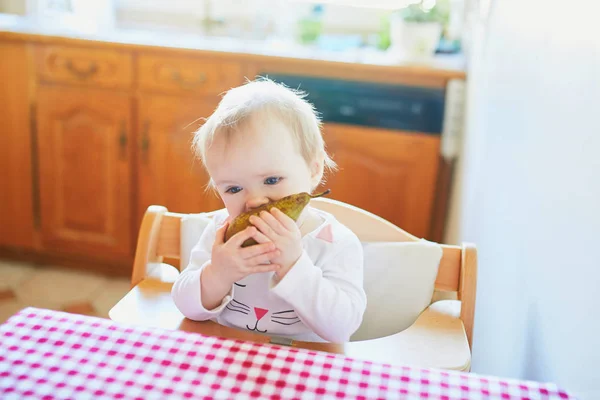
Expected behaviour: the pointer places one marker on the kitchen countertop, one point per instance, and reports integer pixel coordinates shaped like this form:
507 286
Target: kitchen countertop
15 25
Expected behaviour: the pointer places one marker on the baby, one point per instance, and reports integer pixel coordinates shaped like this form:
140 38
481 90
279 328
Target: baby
304 279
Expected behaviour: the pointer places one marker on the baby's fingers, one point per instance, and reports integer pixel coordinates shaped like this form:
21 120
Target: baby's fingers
262 258
256 250
260 238
284 220
220 236
240 237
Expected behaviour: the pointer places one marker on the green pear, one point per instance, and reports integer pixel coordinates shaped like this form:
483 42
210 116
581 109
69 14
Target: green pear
291 206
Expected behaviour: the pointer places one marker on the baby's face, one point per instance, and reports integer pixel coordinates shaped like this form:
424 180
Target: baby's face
261 163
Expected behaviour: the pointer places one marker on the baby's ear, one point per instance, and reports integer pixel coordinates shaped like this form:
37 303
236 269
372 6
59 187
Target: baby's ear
316 170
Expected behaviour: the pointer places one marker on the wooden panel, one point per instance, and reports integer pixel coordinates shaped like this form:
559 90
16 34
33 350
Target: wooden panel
85 171
84 66
389 173
169 174
183 74
16 215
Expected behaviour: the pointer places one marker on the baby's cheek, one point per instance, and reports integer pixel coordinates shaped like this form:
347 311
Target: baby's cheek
233 206
287 188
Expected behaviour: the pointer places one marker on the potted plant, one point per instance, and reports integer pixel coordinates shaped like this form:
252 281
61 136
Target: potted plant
415 30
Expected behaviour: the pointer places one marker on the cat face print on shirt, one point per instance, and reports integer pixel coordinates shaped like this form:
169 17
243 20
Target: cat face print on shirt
258 319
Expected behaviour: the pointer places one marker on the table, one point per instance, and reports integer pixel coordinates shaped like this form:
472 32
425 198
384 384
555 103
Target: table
50 354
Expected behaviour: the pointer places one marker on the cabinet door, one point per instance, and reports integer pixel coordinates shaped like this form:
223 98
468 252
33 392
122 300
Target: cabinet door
16 194
84 160
169 173
389 173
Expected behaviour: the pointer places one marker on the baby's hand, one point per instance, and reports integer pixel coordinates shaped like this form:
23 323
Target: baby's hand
231 262
284 233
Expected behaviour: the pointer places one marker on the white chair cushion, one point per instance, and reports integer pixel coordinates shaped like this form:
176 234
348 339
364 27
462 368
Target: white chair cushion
192 226
399 279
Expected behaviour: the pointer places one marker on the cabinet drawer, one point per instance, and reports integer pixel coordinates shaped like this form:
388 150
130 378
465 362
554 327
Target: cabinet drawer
179 74
81 66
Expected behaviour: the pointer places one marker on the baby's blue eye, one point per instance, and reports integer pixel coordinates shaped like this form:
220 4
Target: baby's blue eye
233 190
272 180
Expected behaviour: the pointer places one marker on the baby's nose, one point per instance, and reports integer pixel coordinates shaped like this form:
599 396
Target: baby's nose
255 202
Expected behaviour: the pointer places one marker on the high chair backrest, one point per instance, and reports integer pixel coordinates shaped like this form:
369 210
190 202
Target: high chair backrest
160 237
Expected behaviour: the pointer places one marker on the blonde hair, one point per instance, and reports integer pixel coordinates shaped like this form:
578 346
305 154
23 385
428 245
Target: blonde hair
263 96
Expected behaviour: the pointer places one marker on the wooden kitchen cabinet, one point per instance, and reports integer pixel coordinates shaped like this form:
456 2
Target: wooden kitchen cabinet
94 132
389 173
84 140
168 173
16 179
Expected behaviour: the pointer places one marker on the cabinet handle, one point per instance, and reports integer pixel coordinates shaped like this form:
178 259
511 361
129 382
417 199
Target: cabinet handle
123 140
82 74
182 82
145 141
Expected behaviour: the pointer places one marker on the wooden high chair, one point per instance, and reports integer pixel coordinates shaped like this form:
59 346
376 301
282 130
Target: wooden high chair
441 337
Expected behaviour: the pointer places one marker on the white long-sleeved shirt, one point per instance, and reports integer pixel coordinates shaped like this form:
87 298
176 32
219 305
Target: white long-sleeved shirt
321 298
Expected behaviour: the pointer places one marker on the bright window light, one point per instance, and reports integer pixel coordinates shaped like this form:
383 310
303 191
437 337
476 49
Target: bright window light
384 4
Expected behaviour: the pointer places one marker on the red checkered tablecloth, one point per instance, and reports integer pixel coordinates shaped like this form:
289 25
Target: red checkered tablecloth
49 354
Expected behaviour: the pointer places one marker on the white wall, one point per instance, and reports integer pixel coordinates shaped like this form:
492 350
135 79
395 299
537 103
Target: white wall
530 194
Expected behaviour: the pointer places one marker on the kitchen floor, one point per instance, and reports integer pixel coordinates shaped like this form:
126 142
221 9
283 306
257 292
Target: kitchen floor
57 288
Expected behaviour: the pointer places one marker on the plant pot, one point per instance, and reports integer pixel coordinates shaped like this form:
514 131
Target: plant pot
414 40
